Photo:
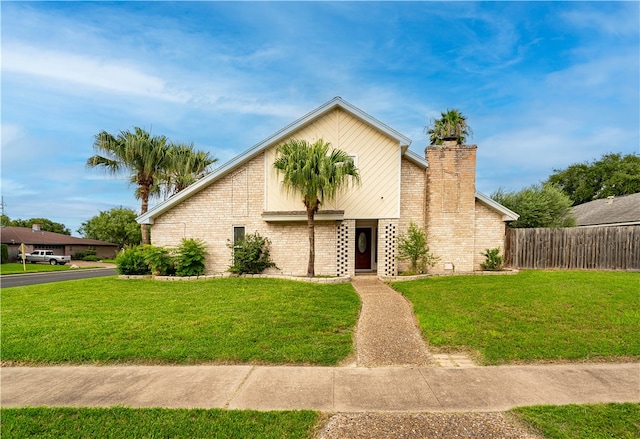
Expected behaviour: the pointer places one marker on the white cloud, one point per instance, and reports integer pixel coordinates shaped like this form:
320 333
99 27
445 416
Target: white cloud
90 71
10 133
621 20
15 188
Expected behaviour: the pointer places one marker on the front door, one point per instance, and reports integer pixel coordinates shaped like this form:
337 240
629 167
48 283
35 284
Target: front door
363 249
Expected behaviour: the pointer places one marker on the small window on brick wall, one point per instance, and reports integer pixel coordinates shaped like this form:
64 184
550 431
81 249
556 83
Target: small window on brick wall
238 234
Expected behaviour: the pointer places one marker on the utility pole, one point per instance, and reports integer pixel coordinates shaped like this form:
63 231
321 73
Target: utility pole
2 205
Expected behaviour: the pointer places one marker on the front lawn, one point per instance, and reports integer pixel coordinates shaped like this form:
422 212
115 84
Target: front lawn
121 422
531 316
589 421
236 320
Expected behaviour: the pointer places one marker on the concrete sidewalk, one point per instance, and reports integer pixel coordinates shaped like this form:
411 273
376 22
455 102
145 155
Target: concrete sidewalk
330 389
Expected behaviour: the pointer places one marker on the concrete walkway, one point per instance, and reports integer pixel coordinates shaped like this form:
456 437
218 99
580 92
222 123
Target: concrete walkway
387 333
329 389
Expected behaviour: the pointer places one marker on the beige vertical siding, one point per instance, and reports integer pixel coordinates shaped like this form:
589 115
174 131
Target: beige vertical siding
377 160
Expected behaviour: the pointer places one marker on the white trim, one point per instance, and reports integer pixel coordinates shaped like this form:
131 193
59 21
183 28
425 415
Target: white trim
507 215
296 217
416 159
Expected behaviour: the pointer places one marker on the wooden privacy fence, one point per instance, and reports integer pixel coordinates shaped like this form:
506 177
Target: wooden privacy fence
604 248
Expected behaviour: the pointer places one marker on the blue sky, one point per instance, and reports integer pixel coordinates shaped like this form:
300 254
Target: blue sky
543 84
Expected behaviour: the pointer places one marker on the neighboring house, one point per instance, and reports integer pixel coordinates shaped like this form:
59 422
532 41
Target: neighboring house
359 230
36 239
611 211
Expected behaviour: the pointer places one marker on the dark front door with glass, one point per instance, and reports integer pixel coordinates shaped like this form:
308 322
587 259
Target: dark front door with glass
363 249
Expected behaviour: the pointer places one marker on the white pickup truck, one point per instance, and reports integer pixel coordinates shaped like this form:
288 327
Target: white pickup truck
46 256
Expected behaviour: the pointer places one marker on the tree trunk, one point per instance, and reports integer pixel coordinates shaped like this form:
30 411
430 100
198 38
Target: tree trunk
312 243
144 195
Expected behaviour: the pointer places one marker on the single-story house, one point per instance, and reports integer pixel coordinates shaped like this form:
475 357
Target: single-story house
359 230
35 239
610 211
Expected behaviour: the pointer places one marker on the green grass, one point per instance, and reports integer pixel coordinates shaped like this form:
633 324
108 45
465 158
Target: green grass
236 320
17 268
127 423
532 316
592 421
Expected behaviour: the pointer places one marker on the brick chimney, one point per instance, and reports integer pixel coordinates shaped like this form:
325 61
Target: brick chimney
451 188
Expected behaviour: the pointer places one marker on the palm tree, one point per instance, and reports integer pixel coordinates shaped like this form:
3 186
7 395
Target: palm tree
185 166
138 154
452 125
318 173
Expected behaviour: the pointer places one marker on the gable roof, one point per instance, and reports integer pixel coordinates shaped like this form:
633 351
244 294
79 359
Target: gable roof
284 133
613 211
20 235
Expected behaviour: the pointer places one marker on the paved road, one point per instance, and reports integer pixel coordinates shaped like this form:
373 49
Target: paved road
19 280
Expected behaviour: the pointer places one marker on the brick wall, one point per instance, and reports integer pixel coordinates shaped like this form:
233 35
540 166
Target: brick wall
237 199
489 232
450 221
412 201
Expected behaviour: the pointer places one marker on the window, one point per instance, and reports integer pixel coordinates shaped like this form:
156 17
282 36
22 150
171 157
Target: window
238 234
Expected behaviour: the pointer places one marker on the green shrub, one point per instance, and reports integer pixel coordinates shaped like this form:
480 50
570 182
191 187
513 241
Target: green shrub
251 255
159 260
190 258
4 254
79 256
493 260
132 261
412 247
87 255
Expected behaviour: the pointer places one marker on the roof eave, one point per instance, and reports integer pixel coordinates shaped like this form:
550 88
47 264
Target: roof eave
507 214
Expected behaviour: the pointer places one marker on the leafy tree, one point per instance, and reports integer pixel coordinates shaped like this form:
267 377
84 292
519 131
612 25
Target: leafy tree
452 125
117 225
185 166
542 205
613 174
317 172
412 247
45 224
138 154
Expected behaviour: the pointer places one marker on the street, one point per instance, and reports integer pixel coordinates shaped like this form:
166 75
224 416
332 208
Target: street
19 280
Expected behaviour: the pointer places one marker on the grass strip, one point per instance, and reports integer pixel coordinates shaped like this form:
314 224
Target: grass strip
589 421
121 422
532 316
236 320
15 268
